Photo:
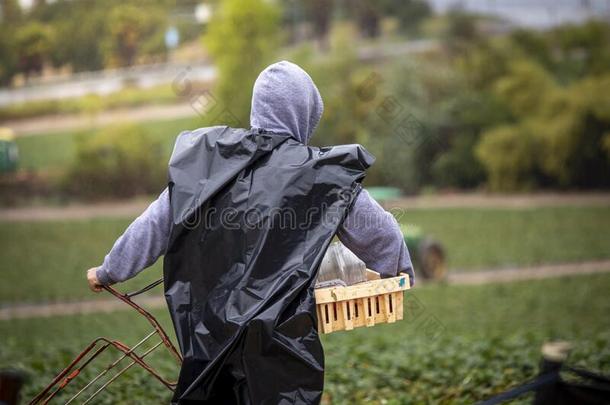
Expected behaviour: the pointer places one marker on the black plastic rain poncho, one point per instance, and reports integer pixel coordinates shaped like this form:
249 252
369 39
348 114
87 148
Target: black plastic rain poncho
253 214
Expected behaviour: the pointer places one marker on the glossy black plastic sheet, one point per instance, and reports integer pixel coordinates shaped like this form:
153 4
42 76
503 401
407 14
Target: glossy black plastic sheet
253 215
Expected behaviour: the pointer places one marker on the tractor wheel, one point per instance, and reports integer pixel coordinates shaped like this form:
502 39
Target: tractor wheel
432 260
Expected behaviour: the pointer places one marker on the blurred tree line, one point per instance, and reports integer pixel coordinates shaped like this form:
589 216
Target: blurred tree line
86 35
509 111
551 92
514 111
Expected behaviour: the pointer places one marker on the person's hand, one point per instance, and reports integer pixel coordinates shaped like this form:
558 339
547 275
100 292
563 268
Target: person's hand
94 283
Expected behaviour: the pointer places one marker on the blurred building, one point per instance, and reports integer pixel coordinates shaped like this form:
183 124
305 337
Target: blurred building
540 14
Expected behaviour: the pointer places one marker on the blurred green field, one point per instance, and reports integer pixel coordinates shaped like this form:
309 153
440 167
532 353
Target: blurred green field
479 238
488 340
46 261
57 150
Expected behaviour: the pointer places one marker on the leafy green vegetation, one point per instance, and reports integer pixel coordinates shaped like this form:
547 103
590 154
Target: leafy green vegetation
559 131
84 36
553 128
241 37
522 110
43 357
58 151
54 255
510 112
487 339
119 161
44 152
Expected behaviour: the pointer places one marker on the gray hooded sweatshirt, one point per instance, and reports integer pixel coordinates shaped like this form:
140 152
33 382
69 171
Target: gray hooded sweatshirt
285 100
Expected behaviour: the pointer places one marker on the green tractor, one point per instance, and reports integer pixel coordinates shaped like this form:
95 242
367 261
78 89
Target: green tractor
427 254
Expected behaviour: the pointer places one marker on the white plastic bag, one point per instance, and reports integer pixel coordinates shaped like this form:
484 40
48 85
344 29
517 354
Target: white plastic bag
340 266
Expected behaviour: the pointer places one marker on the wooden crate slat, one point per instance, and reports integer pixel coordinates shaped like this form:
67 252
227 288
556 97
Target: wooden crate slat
339 316
398 298
347 310
359 313
365 304
380 316
366 289
327 325
320 319
369 312
389 307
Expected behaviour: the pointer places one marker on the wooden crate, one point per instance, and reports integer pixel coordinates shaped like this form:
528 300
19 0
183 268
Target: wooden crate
365 304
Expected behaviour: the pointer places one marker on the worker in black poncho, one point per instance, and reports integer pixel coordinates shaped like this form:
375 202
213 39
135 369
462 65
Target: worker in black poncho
244 224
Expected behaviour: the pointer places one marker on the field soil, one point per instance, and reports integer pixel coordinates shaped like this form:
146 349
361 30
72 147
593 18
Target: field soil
512 201
132 208
19 311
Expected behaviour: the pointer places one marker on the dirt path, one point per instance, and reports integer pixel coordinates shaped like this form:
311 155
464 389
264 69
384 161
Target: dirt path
508 275
59 123
132 208
513 201
123 209
150 302
75 307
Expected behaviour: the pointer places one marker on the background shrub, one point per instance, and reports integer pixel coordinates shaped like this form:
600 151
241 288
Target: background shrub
119 161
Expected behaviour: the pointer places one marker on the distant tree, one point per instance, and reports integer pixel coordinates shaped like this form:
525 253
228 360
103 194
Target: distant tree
117 161
8 55
367 14
553 88
461 31
39 4
410 13
34 45
509 154
338 80
458 166
128 30
581 50
242 37
320 12
78 44
482 62
534 45
556 135
125 35
515 152
525 87
10 11
573 124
